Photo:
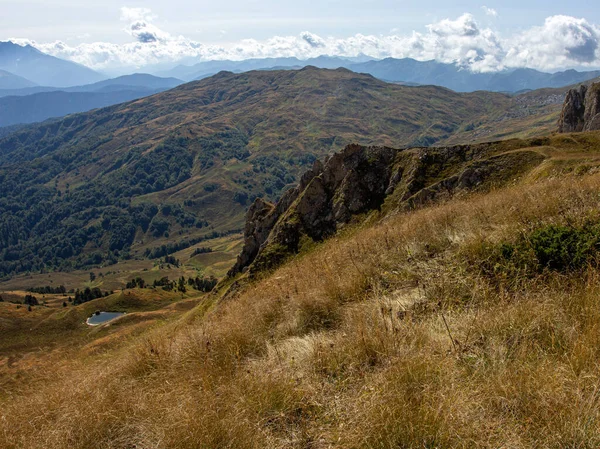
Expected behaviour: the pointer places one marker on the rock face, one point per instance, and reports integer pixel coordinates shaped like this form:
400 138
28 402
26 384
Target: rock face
361 179
328 195
581 110
591 117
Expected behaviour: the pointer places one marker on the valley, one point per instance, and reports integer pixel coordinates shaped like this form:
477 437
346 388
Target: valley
407 335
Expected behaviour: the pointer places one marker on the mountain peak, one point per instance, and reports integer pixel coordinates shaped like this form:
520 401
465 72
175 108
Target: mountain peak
43 69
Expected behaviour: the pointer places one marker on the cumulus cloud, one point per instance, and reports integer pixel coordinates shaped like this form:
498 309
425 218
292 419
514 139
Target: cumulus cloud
489 11
141 27
562 41
312 39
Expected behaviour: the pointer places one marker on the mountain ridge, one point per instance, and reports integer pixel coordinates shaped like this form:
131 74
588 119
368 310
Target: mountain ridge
43 69
404 70
204 150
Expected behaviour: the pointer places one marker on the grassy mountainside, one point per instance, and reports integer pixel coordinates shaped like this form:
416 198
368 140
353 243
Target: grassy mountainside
468 322
182 166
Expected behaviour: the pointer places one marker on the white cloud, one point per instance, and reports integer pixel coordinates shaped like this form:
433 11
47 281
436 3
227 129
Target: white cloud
562 41
489 11
312 39
140 26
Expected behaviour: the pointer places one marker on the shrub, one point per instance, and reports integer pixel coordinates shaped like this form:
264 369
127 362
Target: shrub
552 247
565 247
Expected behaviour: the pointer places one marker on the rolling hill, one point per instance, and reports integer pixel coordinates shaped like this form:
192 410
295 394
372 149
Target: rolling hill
183 165
16 110
137 81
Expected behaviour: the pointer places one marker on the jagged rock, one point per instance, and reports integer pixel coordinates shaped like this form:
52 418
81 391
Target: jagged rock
592 108
581 110
262 216
259 221
361 179
328 195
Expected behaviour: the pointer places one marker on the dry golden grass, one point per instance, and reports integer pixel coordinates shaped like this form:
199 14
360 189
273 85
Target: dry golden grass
389 336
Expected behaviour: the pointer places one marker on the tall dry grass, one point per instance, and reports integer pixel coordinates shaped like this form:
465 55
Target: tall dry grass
391 336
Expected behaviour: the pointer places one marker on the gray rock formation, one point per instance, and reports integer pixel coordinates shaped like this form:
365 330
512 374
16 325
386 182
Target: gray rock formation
591 117
362 179
581 110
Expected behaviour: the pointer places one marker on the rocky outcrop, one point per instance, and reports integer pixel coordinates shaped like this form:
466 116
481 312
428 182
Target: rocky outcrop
581 110
361 179
328 195
591 117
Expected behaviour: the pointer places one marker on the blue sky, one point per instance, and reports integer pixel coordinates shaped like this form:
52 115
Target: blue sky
485 36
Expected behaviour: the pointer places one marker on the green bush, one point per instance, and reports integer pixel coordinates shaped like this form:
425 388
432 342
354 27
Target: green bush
552 247
563 248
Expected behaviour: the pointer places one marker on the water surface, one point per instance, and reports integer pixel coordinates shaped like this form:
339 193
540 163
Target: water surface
103 317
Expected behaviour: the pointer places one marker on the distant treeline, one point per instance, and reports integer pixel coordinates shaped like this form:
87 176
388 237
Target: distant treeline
170 248
47 290
202 284
30 300
201 250
88 294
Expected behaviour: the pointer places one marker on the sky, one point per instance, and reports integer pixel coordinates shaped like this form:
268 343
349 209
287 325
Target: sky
113 36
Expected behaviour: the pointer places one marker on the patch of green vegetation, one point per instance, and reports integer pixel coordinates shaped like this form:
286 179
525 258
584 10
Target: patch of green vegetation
566 247
561 248
272 256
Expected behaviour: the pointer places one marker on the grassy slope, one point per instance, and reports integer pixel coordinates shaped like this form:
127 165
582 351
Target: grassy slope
115 277
392 334
284 115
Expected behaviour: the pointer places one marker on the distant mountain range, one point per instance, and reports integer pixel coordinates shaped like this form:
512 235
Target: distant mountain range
42 69
137 81
462 80
45 105
28 68
11 81
405 71
36 104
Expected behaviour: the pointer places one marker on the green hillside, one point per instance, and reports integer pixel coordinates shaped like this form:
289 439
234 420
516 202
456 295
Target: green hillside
180 167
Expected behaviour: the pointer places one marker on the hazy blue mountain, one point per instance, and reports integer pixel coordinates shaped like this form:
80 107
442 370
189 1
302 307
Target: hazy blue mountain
127 82
139 81
43 69
208 68
42 106
11 81
405 71
204 69
462 80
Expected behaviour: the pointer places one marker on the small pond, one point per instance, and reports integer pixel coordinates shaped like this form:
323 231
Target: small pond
103 317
